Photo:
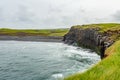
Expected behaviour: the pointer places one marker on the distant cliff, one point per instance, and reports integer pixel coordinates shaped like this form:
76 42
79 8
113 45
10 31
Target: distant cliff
97 37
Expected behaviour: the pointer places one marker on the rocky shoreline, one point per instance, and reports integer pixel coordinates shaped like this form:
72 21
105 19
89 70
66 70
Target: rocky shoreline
84 37
32 38
89 38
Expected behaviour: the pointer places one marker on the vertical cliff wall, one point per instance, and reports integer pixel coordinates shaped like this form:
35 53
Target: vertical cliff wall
89 38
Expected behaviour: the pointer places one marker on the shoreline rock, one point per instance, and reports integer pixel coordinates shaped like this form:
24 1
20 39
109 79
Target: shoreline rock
89 38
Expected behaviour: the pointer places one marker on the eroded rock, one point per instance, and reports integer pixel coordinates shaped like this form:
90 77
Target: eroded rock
89 38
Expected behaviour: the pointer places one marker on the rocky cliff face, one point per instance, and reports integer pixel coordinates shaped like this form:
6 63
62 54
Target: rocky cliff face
89 38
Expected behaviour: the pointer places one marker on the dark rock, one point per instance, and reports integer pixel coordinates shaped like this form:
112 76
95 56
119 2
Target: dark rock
89 38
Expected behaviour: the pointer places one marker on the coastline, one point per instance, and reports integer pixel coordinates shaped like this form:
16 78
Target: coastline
105 40
32 38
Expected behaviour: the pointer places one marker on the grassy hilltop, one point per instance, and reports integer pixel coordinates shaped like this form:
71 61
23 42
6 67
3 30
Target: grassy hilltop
113 29
108 68
33 32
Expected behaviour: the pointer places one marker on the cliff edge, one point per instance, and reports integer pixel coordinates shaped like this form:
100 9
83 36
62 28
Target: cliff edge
97 37
104 39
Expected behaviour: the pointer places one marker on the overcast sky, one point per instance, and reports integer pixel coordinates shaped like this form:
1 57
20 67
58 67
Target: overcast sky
57 13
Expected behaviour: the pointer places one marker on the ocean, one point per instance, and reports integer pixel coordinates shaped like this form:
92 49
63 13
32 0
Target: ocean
20 60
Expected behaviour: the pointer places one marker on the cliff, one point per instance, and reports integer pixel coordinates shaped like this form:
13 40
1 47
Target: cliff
91 36
104 37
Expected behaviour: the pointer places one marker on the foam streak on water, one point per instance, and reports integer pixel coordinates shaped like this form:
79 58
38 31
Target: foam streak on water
42 60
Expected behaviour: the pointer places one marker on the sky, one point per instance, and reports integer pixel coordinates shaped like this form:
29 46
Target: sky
39 14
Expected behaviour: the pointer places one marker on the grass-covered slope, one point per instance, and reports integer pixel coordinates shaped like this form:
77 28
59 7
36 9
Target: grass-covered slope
112 29
103 26
109 67
33 32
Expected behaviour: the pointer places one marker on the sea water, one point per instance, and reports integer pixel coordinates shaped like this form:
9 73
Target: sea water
42 60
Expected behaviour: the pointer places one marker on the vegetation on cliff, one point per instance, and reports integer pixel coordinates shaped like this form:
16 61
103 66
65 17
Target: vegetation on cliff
33 32
112 29
108 68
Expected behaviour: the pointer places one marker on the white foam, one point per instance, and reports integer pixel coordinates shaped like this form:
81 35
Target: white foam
57 76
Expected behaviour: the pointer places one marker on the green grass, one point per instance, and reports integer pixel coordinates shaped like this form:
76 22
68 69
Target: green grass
103 28
33 32
107 69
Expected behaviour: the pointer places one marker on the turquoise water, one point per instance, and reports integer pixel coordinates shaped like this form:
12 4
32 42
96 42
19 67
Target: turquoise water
42 60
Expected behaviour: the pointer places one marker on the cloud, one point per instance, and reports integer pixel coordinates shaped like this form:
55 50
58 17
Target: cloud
56 13
24 15
116 16
1 15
